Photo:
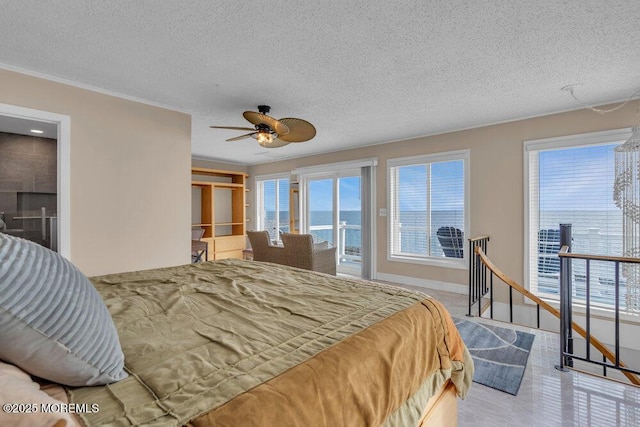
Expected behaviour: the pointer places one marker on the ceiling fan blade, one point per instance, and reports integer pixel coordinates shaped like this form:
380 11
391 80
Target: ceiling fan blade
275 143
231 127
262 119
238 138
299 130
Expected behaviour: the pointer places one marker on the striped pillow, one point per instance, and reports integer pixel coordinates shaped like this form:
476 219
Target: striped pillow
53 322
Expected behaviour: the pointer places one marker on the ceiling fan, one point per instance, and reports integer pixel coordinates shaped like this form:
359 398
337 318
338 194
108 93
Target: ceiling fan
273 133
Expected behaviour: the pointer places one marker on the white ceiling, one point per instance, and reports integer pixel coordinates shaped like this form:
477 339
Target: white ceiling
23 127
364 72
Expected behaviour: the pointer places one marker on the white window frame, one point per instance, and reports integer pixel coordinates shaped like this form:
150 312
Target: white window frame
259 199
530 203
456 263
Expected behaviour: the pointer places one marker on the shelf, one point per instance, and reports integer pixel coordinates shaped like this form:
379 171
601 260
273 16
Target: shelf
213 172
227 234
230 185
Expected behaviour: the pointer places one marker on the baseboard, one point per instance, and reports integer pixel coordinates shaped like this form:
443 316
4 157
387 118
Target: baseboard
423 283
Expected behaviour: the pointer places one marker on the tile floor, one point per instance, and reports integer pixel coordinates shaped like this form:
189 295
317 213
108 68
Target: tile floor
547 397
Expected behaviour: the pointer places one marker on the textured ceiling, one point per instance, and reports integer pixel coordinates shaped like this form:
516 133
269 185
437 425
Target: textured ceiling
364 72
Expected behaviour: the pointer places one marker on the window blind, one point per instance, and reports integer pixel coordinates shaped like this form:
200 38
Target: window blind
571 184
273 206
427 200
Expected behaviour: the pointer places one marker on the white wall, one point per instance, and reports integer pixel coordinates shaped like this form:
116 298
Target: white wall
129 175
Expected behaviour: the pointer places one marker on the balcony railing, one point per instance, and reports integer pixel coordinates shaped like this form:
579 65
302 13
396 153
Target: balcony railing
38 226
349 240
588 241
481 279
567 306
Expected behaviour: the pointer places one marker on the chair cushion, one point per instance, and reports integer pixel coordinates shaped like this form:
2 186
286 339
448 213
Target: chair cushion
53 322
321 246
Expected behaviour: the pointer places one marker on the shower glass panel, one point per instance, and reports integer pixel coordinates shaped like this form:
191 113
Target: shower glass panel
28 186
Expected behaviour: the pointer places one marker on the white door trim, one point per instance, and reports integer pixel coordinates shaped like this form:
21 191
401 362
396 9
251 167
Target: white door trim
64 167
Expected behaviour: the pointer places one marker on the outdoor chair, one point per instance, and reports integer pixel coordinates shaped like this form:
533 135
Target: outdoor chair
451 241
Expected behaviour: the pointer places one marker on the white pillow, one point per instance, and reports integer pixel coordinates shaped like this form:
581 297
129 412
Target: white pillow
17 388
53 322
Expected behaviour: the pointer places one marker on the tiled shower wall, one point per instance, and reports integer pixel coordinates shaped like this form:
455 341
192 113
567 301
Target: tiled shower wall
28 180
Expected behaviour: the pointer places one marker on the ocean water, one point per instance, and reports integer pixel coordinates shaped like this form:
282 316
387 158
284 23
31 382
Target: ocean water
594 232
321 218
413 237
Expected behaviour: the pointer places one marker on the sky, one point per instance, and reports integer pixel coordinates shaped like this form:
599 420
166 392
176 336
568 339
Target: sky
446 189
577 178
321 194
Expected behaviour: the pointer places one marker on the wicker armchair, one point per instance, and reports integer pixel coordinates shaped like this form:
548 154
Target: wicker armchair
263 250
301 252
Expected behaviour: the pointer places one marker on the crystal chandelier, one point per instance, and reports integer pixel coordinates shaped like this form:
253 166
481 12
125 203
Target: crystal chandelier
626 194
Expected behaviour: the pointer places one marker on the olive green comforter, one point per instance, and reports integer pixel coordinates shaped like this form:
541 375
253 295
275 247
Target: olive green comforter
257 344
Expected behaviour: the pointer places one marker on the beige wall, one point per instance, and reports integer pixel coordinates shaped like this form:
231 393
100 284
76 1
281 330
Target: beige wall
130 175
497 186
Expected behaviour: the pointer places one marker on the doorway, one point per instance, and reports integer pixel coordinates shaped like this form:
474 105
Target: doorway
34 176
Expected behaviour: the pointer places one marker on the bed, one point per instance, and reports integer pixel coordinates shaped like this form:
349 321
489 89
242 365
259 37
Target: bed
244 343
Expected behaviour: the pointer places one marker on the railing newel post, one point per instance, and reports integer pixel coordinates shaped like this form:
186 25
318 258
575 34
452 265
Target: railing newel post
566 240
563 320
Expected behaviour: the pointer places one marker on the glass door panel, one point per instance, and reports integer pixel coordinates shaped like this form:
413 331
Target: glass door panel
29 193
320 210
283 206
349 225
334 215
269 209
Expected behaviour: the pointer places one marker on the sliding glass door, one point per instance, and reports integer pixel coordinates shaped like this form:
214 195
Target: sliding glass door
321 213
334 215
273 205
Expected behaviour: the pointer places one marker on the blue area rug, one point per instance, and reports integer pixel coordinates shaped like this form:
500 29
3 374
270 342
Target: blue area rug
500 355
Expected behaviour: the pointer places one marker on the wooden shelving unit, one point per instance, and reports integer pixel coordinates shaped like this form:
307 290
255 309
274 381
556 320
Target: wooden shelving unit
222 210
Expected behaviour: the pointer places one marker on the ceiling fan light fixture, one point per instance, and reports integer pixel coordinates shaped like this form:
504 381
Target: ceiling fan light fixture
264 137
270 132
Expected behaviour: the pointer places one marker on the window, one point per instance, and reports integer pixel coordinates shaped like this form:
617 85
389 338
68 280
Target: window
570 181
428 208
272 204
